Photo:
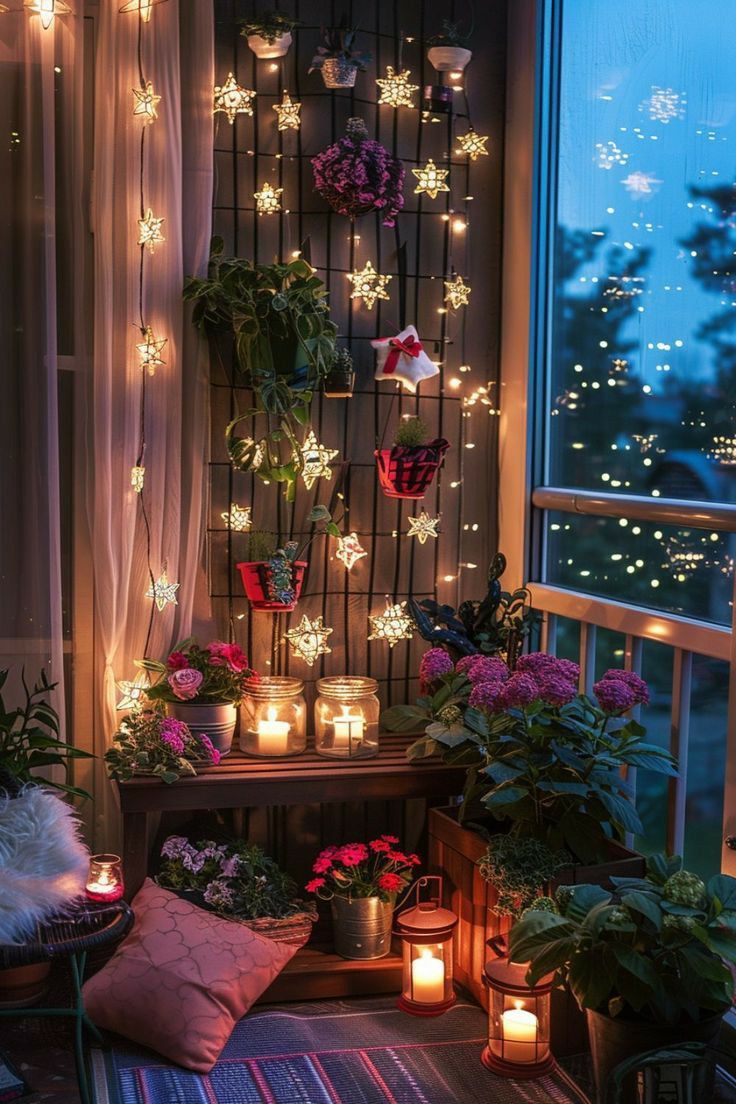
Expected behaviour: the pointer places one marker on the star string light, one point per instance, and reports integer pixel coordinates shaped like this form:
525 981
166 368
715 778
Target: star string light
457 293
724 451
163 592
237 518
349 550
664 104
133 693
287 113
268 200
473 144
395 88
145 102
232 99
431 180
369 285
423 527
309 639
394 624
137 477
609 154
143 7
150 350
315 460
47 10
149 231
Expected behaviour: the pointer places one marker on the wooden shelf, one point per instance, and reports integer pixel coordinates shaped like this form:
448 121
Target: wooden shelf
317 972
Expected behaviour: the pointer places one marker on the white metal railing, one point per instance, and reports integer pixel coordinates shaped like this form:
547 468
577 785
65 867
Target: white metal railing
665 511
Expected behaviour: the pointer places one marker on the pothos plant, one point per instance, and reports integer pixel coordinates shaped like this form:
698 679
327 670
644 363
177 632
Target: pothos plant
284 345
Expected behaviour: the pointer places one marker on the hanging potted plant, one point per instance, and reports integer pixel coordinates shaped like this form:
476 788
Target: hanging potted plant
357 175
648 961
448 50
270 332
407 469
202 688
337 59
273 574
340 379
361 882
269 33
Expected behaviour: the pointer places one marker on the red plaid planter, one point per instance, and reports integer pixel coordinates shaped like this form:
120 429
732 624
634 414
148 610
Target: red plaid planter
406 472
255 582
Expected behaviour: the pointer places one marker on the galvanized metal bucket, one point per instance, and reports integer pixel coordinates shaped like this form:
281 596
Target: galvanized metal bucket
215 720
362 926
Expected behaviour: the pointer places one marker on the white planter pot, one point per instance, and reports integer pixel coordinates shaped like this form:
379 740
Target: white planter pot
216 720
445 58
262 48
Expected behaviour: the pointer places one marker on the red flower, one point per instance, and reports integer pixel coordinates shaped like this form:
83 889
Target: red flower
177 661
314 885
322 864
352 854
227 655
390 839
397 857
379 845
414 860
390 883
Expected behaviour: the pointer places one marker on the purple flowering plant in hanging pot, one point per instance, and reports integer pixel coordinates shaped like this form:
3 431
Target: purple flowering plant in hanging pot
357 175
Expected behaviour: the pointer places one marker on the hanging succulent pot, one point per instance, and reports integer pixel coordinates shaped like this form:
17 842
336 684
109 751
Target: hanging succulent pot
338 72
337 59
265 48
273 586
340 380
269 33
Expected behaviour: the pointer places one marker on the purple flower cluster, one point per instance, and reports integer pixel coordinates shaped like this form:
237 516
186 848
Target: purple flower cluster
434 664
541 664
538 676
485 695
480 668
175 734
357 175
619 690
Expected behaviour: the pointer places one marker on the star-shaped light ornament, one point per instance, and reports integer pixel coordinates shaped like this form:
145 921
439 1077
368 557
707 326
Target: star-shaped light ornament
473 144
232 99
315 460
395 88
47 10
238 518
350 550
457 293
268 200
431 180
149 231
287 113
143 7
394 624
145 102
132 693
423 527
369 285
163 592
309 639
641 183
137 477
150 350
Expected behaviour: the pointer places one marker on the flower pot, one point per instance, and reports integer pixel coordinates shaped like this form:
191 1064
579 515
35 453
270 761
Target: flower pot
255 578
263 48
295 930
446 58
23 986
406 472
338 73
339 383
216 720
362 926
614 1040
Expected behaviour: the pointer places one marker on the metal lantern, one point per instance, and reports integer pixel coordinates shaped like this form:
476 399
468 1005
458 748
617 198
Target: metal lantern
518 1019
426 931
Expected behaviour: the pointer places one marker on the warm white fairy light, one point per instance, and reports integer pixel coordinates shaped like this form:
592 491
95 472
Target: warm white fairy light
237 518
395 88
309 639
644 441
315 460
431 180
143 7
163 592
473 144
608 154
457 293
423 527
232 99
349 550
149 231
724 451
393 625
150 350
47 10
268 200
368 285
287 113
145 102
137 478
664 104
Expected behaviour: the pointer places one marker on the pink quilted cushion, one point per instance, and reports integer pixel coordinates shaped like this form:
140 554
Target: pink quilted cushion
182 979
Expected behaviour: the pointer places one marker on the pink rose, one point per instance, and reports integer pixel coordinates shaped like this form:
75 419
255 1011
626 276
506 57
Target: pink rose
185 683
227 655
177 661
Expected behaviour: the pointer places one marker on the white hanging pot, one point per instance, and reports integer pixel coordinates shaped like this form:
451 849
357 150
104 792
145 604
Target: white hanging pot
263 48
445 58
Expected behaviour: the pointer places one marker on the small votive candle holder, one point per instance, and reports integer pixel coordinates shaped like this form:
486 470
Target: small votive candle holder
105 878
346 716
273 717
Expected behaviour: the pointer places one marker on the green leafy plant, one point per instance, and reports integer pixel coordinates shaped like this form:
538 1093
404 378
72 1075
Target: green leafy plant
339 42
29 738
270 25
411 433
450 35
260 545
149 742
653 948
519 869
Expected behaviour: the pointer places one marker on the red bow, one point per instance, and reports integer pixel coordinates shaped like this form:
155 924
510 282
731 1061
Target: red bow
411 347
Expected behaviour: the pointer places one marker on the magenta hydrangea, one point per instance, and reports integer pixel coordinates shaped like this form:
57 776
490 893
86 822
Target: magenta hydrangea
487 669
614 696
542 664
434 664
357 175
485 695
635 683
556 690
520 690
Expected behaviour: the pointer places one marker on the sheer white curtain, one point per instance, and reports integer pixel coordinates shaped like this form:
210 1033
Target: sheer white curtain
177 57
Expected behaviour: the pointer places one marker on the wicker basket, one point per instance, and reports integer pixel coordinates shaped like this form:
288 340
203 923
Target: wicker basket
295 929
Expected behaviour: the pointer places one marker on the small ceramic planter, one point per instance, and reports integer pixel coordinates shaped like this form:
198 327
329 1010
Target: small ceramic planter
215 720
362 926
447 58
255 576
338 73
339 384
264 48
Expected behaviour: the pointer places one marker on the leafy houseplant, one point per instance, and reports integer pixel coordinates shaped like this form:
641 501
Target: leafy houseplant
407 469
340 379
448 49
269 33
337 59
647 960
276 318
149 742
29 740
519 869
357 175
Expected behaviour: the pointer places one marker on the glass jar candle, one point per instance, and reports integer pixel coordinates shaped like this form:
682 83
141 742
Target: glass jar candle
273 717
346 717
105 879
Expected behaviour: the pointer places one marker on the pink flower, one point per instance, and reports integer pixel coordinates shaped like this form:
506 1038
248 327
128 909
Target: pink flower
211 751
314 885
539 664
185 683
390 839
227 655
322 865
556 690
352 854
434 664
177 661
520 690
397 857
390 883
379 845
614 696
488 669
414 860
485 695
174 734
635 683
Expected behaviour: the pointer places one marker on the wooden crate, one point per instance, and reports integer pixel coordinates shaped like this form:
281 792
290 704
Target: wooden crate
454 852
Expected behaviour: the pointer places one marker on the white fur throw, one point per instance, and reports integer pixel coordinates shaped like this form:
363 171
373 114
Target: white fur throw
43 862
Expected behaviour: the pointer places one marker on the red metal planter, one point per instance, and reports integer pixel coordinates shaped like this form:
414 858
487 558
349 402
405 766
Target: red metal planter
406 472
255 576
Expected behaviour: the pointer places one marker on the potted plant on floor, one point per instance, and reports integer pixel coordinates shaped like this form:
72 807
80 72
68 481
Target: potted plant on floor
269 33
340 379
448 49
361 882
149 742
337 59
407 469
648 961
202 687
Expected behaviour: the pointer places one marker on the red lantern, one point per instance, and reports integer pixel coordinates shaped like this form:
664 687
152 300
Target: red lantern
426 932
518 1019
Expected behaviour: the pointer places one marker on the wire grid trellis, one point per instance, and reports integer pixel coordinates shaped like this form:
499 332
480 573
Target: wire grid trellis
426 247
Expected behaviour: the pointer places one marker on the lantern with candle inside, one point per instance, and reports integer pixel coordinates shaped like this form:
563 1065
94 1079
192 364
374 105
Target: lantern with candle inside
426 931
105 879
518 1018
346 717
273 717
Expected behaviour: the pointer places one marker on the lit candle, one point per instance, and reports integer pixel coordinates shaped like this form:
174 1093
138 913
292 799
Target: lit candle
104 882
428 979
519 1029
349 729
273 735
